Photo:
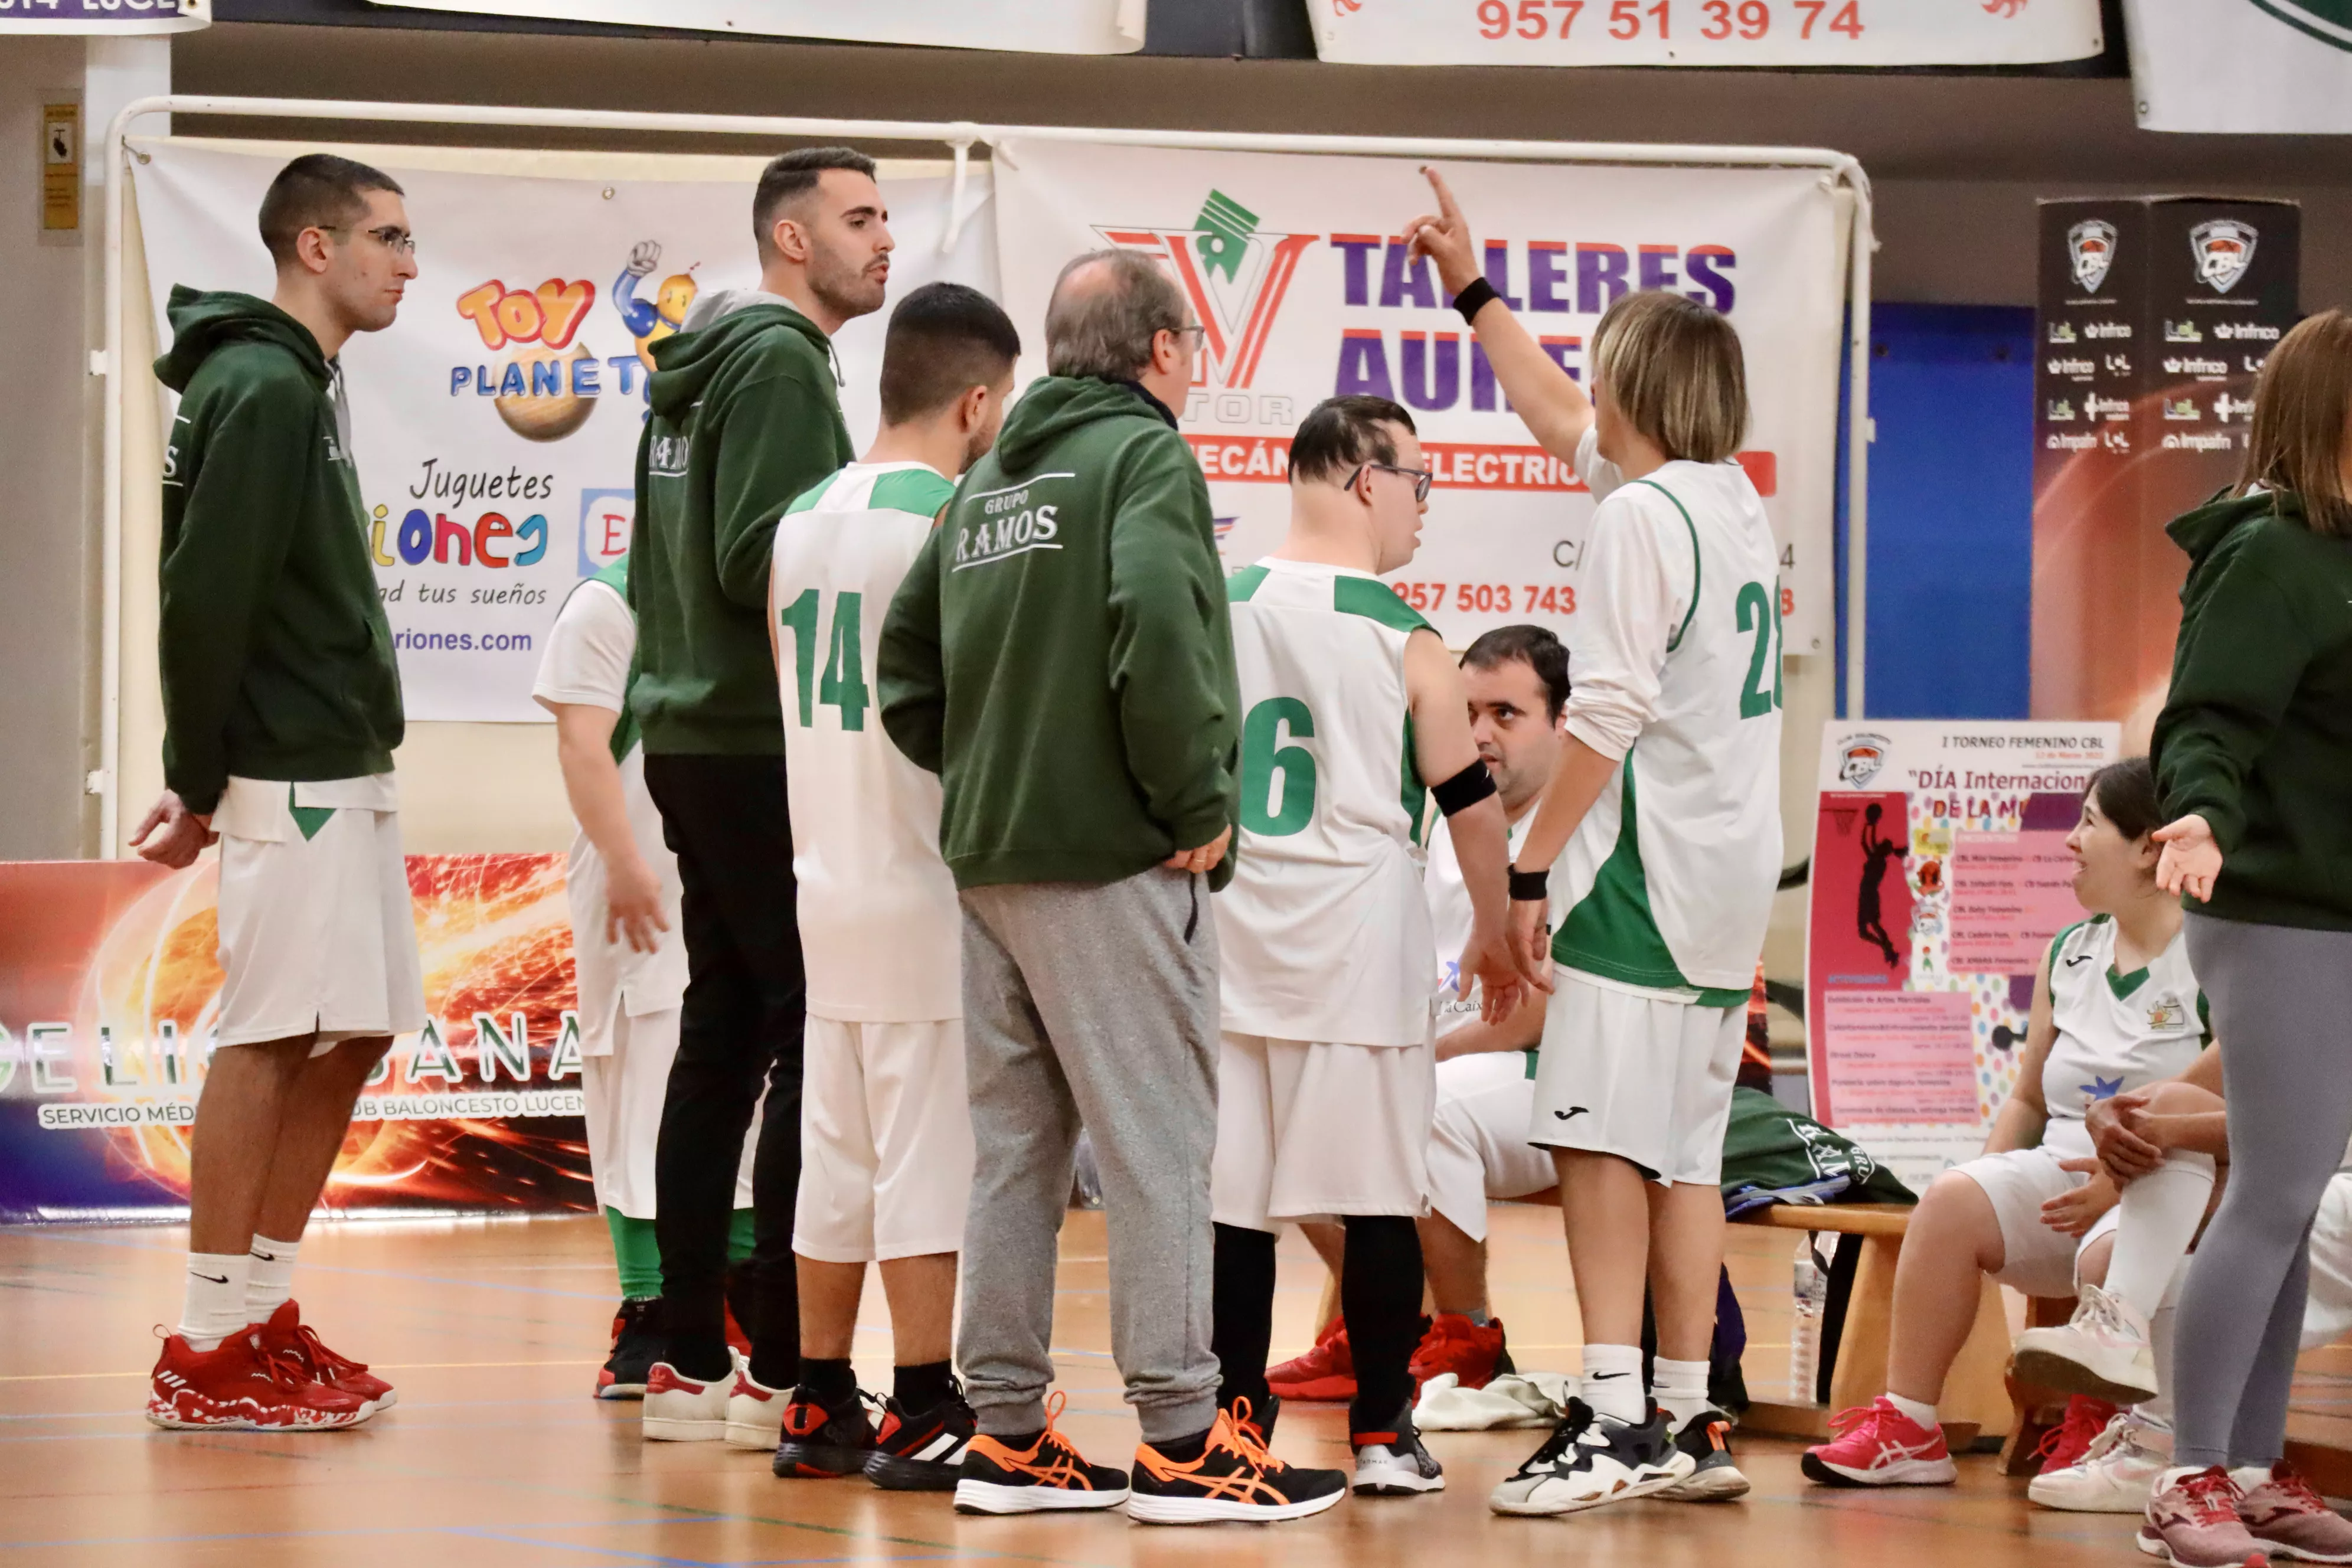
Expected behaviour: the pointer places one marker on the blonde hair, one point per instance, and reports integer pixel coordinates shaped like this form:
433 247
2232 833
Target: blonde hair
2302 405
1675 370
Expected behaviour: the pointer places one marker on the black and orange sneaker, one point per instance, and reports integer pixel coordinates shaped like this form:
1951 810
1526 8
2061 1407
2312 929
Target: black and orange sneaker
1706 1438
636 1344
1393 1461
822 1442
922 1451
1233 1479
1047 1476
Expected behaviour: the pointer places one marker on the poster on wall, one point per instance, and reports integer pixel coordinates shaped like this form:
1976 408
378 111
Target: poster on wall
109 1002
1940 872
1033 27
495 423
1304 290
1738 33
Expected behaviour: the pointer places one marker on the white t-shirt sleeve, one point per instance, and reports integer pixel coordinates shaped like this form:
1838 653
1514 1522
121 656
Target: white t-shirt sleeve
1639 577
588 651
1599 474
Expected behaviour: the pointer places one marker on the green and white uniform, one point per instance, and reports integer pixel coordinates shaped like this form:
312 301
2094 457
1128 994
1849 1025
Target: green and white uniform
1669 880
1326 961
886 1129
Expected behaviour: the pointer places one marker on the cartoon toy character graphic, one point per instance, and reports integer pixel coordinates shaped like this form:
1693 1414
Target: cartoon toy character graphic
650 321
1869 917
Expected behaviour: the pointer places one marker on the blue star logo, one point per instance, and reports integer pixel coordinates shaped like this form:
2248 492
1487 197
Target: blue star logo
1453 981
2101 1087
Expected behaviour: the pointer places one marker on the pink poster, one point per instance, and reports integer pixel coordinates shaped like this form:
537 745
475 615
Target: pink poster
2010 892
1901 1055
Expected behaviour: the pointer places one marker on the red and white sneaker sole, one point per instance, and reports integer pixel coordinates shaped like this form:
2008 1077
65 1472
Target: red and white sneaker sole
1897 1473
189 1414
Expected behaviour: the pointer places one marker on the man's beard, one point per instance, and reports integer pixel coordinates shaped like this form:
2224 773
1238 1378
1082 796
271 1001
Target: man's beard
844 290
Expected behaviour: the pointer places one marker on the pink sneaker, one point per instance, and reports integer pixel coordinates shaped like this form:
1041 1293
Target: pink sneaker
2064 1446
2194 1523
2286 1516
1879 1445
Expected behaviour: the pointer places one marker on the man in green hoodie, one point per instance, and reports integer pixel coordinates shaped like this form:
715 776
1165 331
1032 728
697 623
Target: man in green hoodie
1060 654
281 708
745 416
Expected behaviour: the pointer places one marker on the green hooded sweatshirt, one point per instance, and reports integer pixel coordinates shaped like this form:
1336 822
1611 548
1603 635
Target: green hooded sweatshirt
744 419
1059 652
276 658
2256 734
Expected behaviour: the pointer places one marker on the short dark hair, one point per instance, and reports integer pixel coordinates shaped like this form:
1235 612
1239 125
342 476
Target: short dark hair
792 175
945 339
317 190
1339 434
1106 326
1532 646
2126 792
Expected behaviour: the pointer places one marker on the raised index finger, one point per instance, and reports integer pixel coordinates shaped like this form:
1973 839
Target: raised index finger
1445 202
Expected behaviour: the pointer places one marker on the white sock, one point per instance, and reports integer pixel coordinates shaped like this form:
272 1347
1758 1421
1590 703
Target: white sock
1680 1389
214 1307
2160 1214
2157 1412
1611 1384
2174 1477
271 1280
1920 1415
2248 1477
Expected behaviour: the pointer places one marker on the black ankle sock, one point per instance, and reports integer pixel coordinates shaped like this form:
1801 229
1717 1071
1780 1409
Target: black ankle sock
922 1387
1241 1312
1379 1295
1185 1450
1019 1442
775 1368
827 1381
703 1360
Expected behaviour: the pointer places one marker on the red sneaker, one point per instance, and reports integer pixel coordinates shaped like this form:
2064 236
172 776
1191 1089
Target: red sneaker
1456 1345
1326 1372
1879 1445
2066 1442
286 1335
239 1385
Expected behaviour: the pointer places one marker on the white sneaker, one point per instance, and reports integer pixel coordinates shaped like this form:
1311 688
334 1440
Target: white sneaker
1590 1459
2114 1477
2104 1353
755 1412
679 1409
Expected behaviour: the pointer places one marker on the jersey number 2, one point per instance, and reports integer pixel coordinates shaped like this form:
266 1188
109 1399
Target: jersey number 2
1271 770
1756 612
843 685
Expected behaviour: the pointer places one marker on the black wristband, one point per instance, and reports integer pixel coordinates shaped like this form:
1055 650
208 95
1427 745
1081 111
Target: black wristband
1464 789
1472 299
1530 886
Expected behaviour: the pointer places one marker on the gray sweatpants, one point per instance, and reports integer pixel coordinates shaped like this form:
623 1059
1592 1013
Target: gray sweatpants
2281 1005
1091 1004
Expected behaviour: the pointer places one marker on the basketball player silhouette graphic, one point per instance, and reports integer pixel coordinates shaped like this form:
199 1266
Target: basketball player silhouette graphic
1869 920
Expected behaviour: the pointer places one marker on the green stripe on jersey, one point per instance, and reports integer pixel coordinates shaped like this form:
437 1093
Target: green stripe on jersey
1242 584
808 498
918 490
1414 797
1374 600
625 733
1676 641
1612 931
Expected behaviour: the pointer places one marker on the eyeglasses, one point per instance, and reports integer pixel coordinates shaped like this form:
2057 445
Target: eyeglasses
1422 477
393 237
1198 334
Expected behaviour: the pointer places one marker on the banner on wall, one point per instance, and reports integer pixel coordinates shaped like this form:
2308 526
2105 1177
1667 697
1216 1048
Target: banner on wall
110 996
495 424
1041 26
2277 66
1304 291
117 18
1939 874
1750 33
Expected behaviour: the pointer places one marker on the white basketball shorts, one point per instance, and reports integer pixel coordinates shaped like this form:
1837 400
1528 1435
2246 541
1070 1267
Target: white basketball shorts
1478 1146
886 1141
1308 1129
1636 1075
2035 1259
318 935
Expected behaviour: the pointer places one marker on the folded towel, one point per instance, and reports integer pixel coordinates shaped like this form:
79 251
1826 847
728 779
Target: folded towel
1513 1399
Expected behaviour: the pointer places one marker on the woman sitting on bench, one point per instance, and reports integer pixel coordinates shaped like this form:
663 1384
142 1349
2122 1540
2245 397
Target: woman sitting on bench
2115 1008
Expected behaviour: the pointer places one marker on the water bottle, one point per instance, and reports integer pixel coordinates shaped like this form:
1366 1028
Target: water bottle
1809 1298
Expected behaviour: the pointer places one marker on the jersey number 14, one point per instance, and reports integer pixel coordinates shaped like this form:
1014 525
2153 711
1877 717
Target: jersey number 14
843 684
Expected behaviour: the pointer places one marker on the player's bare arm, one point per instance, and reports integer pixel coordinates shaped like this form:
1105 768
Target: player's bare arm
1582 774
592 782
1443 747
1549 403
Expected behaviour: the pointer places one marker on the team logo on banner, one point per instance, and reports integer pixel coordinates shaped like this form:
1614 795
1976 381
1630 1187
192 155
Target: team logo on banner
1860 757
2224 248
2329 21
1235 274
2091 245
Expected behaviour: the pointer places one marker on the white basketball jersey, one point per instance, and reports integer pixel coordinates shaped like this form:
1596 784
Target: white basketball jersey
881 932
1323 935
1677 652
2116 1032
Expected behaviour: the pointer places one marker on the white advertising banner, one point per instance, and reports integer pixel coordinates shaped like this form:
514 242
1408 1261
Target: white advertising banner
1752 32
1037 27
1940 872
119 18
1295 269
496 422
2280 66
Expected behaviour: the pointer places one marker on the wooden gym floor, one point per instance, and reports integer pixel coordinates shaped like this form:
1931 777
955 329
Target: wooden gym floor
496 1454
